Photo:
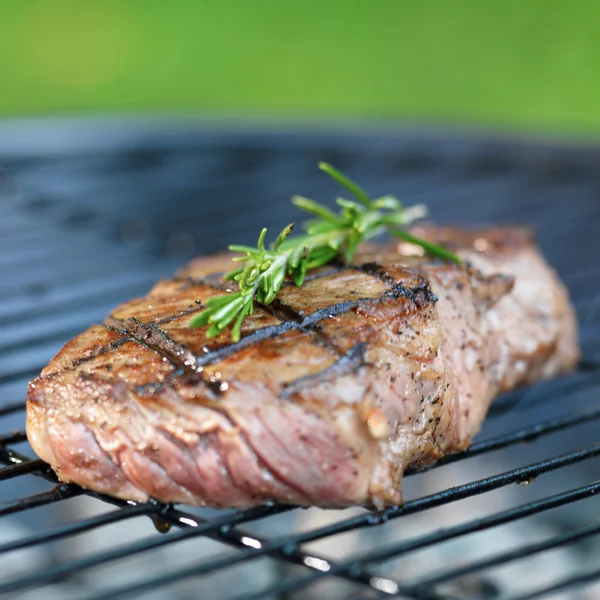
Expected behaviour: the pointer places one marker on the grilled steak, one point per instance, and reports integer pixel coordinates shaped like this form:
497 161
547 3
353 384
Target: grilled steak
332 392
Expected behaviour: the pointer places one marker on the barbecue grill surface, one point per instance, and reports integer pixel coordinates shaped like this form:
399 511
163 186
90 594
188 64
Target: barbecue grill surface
93 213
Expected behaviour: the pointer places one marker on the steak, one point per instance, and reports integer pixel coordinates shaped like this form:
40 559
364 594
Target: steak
332 391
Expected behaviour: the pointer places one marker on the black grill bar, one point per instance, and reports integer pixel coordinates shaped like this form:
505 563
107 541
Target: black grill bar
291 555
60 492
11 408
13 438
567 583
22 469
500 559
288 546
353 567
20 375
562 389
128 512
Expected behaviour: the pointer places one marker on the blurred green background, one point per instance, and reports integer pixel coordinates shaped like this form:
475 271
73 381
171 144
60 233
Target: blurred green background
518 64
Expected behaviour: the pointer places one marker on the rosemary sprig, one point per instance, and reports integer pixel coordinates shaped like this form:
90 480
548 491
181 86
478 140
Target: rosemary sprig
328 235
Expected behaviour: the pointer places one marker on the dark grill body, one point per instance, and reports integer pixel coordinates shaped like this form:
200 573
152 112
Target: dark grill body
93 213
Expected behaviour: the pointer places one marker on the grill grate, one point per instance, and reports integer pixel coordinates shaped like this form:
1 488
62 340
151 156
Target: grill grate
94 213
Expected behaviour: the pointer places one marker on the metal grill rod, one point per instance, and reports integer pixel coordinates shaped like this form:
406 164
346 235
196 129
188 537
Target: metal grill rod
7 409
20 374
16 437
504 557
562 389
569 582
135 274
128 512
60 492
19 469
354 565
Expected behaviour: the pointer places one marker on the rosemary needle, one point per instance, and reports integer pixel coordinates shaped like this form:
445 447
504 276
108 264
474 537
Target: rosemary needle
328 235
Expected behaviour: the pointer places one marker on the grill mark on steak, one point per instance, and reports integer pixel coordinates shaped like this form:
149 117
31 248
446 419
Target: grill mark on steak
157 340
182 313
348 364
373 268
185 361
421 294
99 352
285 312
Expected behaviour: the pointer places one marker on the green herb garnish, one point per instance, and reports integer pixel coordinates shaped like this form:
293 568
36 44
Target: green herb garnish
328 235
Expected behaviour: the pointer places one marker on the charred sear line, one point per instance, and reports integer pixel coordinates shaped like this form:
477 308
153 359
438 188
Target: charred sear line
373 268
99 352
284 312
193 308
157 340
421 294
250 340
348 364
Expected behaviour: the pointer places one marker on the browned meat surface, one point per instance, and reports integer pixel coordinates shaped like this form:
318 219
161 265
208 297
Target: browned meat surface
332 392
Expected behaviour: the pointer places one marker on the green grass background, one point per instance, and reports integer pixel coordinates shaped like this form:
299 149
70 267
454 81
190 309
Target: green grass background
531 64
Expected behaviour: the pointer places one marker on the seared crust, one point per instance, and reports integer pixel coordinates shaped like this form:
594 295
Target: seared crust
331 393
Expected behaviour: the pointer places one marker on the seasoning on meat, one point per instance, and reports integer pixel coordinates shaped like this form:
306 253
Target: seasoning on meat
331 393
